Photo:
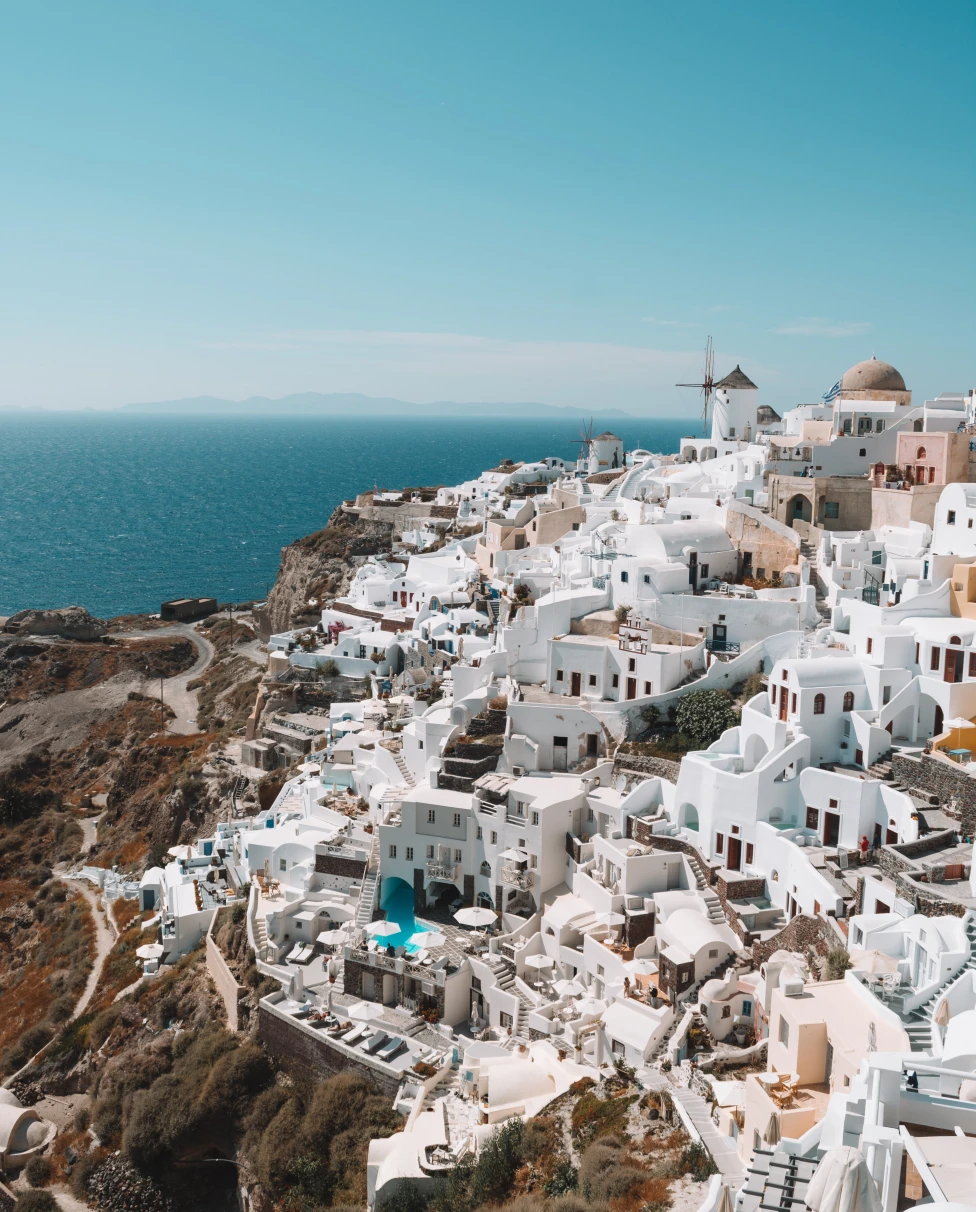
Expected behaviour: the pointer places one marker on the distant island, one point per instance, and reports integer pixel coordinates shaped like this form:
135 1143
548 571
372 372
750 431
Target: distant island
312 403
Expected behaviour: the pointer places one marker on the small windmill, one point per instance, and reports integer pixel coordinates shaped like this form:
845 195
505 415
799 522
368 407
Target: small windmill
586 438
707 385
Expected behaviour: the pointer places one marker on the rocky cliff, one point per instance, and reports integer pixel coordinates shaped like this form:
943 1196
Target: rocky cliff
320 566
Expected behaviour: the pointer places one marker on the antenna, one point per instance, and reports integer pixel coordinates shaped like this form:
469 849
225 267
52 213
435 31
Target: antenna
707 385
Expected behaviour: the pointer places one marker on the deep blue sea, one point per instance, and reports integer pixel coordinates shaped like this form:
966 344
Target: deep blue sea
118 512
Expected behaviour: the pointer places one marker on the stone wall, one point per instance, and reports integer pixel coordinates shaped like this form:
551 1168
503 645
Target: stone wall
225 980
638 927
354 974
337 864
296 1047
802 932
938 776
654 767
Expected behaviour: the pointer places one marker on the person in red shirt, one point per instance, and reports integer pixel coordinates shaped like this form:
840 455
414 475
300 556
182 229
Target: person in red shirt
864 848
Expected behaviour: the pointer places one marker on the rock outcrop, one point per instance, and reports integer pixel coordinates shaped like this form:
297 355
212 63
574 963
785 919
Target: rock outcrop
70 623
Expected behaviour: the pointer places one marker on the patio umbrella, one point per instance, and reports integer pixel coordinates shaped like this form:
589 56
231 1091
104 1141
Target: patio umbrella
427 939
515 856
942 1014
539 961
590 1005
725 1203
329 938
772 1134
875 962
475 915
151 951
362 1012
382 929
612 919
842 1182
569 988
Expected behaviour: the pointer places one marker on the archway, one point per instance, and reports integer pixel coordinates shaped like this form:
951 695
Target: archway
688 817
755 750
798 509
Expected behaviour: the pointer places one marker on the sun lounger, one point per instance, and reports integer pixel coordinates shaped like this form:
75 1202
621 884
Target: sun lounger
376 1041
391 1049
304 955
355 1035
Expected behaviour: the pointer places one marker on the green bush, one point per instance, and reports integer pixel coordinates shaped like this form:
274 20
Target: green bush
37 1201
838 961
38 1171
564 1178
697 1161
497 1163
705 714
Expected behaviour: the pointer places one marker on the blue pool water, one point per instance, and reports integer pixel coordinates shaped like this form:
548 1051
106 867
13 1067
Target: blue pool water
398 904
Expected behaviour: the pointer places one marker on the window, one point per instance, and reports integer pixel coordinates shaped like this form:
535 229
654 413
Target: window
916 653
934 662
793 706
647 687
409 853
972 664
879 427
624 578
750 853
494 838
951 518
616 680
703 572
631 665
420 745
520 806
457 856
784 1031
885 696
954 639
772 693
726 1012
876 556
862 452
831 509
431 816
813 818
457 820
870 645
819 704
713 953
849 700
393 852
480 833
746 1006
591 680
833 803
559 675
719 843
647 578
535 818
282 864
920 453
430 852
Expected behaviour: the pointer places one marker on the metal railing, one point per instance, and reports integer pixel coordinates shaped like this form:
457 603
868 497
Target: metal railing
722 646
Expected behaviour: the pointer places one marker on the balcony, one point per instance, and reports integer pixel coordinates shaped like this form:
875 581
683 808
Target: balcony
729 646
442 871
517 877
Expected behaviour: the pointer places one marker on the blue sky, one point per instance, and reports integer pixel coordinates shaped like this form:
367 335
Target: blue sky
545 201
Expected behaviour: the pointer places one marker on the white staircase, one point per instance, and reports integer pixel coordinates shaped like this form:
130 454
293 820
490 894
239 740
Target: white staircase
716 913
919 1027
722 1148
404 770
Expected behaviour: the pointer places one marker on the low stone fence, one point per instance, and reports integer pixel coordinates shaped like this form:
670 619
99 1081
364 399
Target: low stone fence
225 980
802 932
939 776
653 767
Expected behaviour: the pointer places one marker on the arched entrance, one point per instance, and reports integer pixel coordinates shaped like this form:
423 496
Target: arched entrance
798 509
688 817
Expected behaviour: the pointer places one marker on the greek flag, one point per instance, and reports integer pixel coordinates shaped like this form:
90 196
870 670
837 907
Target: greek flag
832 394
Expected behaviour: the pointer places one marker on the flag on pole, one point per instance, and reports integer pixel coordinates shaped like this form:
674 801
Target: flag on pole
832 394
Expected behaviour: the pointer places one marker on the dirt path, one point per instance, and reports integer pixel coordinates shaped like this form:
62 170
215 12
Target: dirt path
176 696
104 941
89 830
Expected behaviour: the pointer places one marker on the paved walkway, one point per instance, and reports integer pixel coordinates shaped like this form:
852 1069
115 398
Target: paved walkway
722 1148
176 696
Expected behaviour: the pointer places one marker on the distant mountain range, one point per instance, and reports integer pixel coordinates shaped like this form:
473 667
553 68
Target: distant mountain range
344 404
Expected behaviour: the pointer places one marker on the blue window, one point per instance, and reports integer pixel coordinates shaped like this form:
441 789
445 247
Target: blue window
747 1008
624 578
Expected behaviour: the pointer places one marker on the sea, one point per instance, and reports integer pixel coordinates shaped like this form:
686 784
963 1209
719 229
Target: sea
118 512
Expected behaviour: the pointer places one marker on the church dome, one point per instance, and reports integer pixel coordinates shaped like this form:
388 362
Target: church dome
872 375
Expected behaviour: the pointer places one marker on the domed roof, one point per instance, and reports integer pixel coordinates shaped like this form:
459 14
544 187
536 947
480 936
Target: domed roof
872 375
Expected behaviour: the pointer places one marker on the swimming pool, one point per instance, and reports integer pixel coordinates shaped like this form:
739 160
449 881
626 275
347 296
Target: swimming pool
398 904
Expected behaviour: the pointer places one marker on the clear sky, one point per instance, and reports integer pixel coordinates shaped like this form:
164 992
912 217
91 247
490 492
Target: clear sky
517 201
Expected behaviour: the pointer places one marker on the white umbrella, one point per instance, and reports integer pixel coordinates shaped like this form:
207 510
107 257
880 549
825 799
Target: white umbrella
874 962
772 1135
363 1011
427 939
842 1182
612 919
475 915
569 988
150 951
590 1005
539 961
382 929
329 938
515 856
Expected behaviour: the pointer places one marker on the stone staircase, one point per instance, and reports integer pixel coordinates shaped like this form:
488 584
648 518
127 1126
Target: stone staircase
367 899
506 981
241 784
613 493
716 913
404 770
260 936
919 1027
722 1148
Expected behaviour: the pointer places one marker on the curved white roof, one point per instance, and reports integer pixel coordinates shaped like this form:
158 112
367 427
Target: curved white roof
939 630
826 671
691 930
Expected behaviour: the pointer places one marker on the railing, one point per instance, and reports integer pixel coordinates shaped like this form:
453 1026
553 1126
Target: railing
515 877
442 871
722 646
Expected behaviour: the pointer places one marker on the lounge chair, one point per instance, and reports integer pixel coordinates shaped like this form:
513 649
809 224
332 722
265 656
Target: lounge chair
355 1035
392 1048
376 1041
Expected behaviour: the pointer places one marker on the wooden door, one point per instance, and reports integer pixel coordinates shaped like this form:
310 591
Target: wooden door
953 665
632 688
831 828
576 688
735 854
784 702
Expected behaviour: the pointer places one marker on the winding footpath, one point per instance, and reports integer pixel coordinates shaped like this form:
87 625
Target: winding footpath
176 696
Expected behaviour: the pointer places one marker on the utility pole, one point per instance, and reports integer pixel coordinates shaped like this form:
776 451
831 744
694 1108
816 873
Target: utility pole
162 709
